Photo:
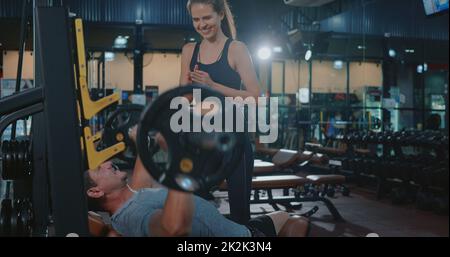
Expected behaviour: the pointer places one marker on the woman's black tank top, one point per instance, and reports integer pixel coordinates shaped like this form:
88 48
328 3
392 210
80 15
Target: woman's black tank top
220 71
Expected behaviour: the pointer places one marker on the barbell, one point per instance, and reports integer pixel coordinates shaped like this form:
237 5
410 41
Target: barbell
194 161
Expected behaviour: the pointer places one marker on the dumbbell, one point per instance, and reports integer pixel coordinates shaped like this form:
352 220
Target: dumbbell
399 195
15 228
345 191
380 138
424 201
440 205
8 159
409 137
24 217
5 217
372 137
331 191
439 177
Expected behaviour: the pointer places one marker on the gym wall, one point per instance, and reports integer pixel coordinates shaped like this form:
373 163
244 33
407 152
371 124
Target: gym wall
295 76
160 69
364 74
163 70
325 78
10 60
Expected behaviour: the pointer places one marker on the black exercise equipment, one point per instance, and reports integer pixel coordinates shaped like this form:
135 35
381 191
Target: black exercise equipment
24 217
16 159
5 217
16 217
117 127
196 160
407 165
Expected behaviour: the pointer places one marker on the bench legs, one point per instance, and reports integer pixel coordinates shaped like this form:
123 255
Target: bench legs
336 215
288 200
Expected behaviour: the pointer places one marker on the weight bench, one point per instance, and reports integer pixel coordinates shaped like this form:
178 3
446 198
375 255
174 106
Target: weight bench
295 226
281 160
326 179
268 183
284 160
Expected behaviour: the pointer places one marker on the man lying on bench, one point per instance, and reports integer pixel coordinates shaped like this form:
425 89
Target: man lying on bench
141 207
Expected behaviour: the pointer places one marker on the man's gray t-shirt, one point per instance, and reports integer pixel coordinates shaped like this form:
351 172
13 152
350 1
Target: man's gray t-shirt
132 219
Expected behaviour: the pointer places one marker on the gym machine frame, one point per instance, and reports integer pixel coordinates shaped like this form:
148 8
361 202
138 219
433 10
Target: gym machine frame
54 92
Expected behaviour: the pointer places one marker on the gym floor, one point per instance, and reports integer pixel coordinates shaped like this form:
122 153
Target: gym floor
363 215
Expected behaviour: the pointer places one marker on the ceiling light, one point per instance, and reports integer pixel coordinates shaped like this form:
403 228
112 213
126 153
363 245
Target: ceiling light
277 49
338 64
420 69
121 42
392 53
360 47
308 55
264 53
109 56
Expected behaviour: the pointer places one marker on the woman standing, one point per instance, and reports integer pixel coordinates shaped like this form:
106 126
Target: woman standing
224 64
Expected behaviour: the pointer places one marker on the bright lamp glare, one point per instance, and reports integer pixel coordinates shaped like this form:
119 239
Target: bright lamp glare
109 56
338 64
121 42
392 53
420 69
308 55
264 53
278 49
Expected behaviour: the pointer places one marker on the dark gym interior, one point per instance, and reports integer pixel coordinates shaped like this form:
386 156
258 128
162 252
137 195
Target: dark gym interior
356 91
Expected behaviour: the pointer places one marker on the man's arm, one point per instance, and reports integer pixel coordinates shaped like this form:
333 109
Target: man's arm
176 217
140 177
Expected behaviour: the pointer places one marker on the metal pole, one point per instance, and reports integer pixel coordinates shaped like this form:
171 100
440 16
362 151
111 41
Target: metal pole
22 42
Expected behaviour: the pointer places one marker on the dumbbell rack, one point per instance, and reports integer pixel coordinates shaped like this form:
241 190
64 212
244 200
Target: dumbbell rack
419 173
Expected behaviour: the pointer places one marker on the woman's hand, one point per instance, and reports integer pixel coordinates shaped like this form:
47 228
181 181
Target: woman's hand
201 77
162 142
132 133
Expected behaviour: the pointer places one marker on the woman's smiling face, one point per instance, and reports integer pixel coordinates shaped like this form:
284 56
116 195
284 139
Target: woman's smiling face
206 21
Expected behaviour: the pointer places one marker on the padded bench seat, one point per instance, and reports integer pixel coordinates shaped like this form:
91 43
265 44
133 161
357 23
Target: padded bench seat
266 151
290 181
285 158
260 167
326 179
332 151
269 182
273 182
363 151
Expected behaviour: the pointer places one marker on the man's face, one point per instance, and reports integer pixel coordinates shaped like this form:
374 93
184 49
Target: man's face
108 178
